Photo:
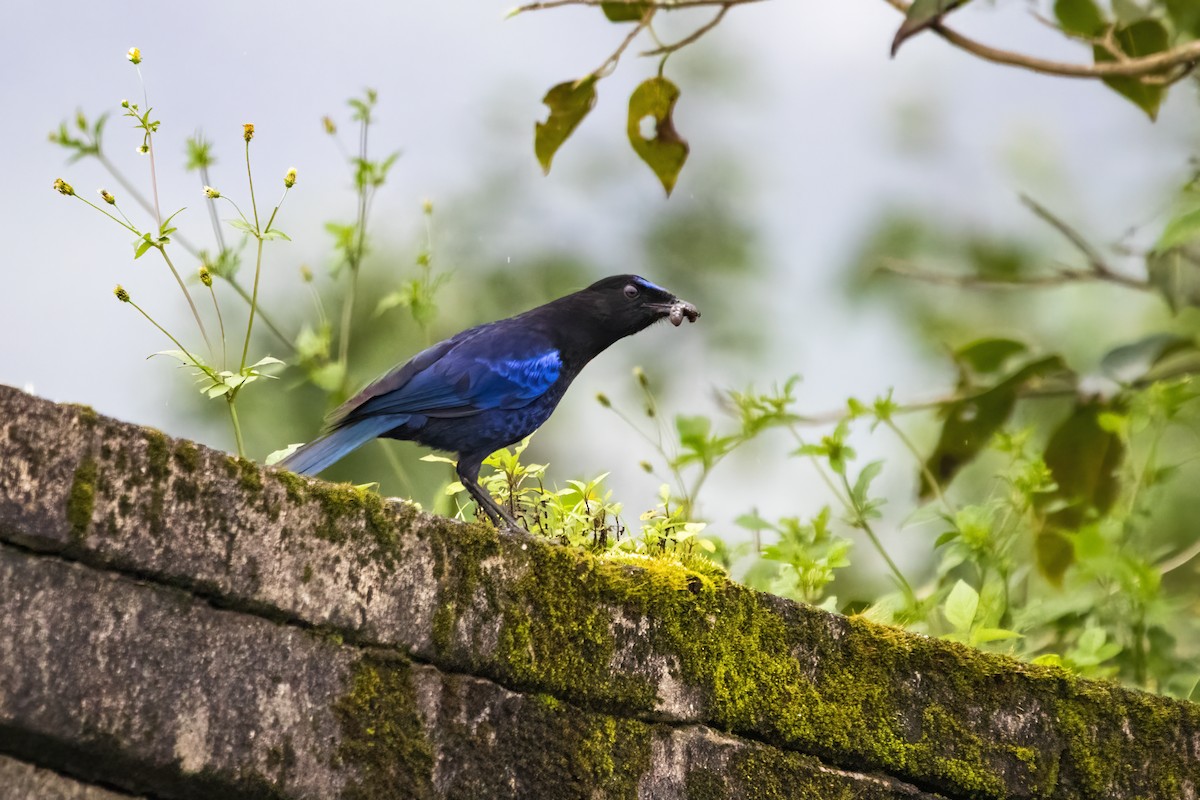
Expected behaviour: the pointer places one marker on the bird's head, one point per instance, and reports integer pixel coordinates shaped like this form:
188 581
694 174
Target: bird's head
627 304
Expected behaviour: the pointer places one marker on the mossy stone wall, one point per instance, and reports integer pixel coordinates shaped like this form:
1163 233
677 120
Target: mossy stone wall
178 623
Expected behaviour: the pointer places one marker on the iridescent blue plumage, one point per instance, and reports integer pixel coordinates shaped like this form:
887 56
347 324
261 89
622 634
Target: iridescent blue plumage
494 384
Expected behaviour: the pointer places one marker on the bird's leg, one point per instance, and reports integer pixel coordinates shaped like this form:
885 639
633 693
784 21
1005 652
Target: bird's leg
468 474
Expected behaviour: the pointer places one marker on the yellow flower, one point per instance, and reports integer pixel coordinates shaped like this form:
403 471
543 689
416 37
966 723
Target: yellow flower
248 131
205 276
62 187
289 180
108 198
211 193
121 294
330 125
427 206
134 55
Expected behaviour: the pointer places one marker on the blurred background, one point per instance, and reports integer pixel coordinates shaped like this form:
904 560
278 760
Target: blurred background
813 156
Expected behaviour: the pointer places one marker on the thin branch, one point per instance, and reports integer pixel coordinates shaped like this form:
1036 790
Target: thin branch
611 62
1099 266
693 37
1186 54
1061 277
664 5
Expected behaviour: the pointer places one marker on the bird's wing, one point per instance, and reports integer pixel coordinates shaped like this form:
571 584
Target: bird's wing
485 367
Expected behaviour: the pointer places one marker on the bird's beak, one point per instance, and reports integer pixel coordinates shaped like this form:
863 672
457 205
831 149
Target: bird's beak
677 310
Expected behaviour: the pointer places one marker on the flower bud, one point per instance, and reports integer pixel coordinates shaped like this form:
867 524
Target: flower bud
124 104
642 380
143 149
427 206
248 131
603 400
211 193
62 187
306 274
108 198
121 294
330 125
289 179
134 55
646 466
205 275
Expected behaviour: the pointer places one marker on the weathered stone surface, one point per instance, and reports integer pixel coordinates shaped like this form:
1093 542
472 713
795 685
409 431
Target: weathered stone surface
663 648
22 781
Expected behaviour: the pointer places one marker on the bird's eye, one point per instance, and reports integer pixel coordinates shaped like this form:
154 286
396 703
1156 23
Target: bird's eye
631 291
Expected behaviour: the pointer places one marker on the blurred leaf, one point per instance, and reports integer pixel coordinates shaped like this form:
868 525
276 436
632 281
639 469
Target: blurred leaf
666 152
1175 273
279 455
987 356
1131 362
1185 14
1142 38
972 421
569 103
961 605
1079 17
922 14
624 11
1084 458
1180 230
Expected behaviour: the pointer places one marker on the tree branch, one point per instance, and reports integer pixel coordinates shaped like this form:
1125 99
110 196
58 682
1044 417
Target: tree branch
1185 55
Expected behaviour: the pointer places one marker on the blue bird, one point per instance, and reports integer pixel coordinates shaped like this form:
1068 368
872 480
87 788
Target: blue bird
494 384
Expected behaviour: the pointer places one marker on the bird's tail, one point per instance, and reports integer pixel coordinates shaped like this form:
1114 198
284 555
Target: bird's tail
321 453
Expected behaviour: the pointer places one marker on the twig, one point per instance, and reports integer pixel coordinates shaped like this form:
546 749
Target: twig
611 61
1058 278
666 49
1185 54
663 5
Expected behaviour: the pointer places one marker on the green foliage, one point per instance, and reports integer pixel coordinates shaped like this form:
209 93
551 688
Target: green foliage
1142 38
664 152
569 103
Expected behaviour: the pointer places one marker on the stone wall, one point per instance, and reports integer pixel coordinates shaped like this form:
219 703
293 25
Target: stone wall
176 623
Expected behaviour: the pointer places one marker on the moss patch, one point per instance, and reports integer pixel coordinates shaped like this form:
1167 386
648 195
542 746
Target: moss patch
82 499
383 738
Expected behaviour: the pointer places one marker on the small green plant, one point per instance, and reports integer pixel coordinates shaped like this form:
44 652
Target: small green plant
217 379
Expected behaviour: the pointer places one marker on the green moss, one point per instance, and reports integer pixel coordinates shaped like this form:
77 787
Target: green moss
295 486
307 575
86 414
703 784
383 739
82 499
158 454
248 473
187 456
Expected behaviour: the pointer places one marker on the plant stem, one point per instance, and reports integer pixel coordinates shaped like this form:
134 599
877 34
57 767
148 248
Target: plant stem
242 293
166 333
221 323
253 303
191 303
237 428
860 521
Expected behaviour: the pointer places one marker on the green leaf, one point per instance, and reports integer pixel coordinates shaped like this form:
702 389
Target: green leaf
922 14
987 356
863 485
984 635
142 248
1183 229
163 229
1132 362
665 152
267 361
216 390
961 605
275 233
1083 457
1079 17
1184 13
1142 38
276 456
569 103
972 421
242 225
1175 273
628 11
